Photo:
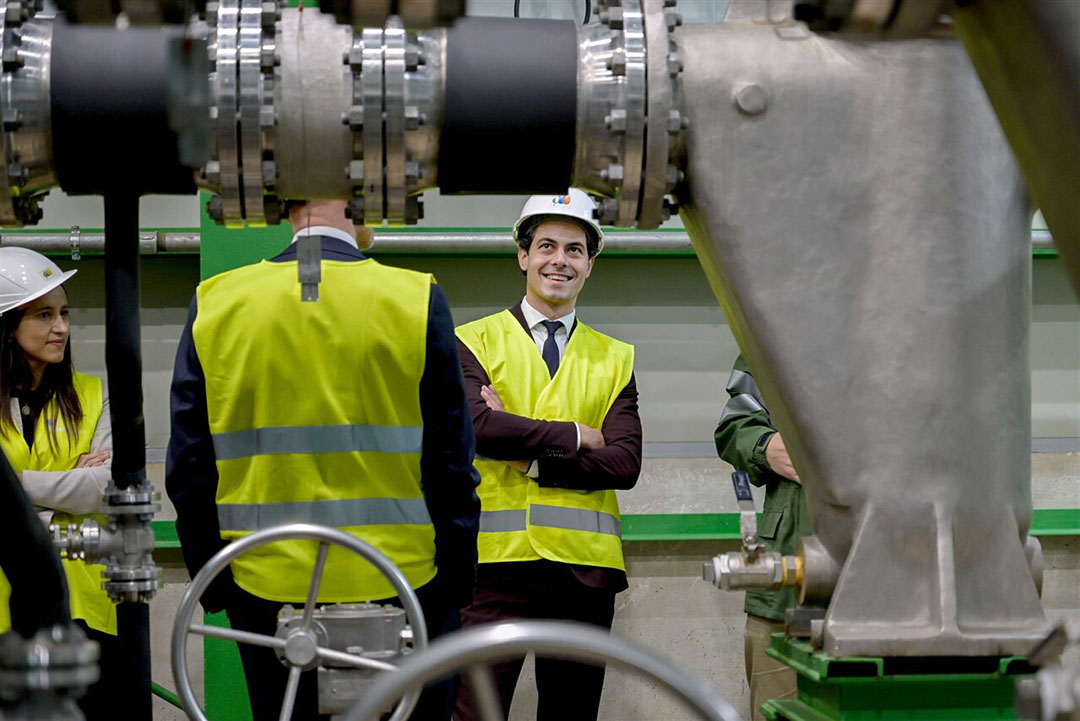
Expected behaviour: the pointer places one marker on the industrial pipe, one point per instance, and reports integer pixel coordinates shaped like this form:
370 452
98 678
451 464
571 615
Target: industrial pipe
414 243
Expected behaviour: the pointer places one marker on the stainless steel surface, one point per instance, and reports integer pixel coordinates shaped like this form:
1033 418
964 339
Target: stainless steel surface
866 237
601 121
736 571
367 638
257 49
313 147
424 84
222 174
632 102
183 625
484 645
77 242
1027 55
25 140
126 545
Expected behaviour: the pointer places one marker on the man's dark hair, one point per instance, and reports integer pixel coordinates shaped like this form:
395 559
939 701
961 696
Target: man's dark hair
526 230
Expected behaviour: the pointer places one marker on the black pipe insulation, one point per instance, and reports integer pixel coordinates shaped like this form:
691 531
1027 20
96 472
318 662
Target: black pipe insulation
133 632
39 597
123 359
509 79
109 93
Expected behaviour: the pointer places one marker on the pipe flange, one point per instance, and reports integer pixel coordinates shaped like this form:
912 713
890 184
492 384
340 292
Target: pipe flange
25 113
60 660
394 120
601 121
257 50
659 174
371 100
630 18
423 112
133 585
222 173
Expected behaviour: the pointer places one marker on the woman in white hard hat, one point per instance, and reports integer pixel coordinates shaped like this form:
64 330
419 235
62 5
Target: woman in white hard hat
55 432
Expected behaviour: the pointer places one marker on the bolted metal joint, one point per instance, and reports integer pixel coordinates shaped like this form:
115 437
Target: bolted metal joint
612 17
734 571
58 664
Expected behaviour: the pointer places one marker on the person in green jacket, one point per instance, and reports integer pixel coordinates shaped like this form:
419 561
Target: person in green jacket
747 439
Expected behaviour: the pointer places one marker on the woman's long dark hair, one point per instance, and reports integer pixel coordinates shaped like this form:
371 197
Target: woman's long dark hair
56 382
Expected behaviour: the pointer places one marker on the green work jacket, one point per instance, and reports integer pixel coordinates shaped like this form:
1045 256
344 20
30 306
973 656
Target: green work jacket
741 436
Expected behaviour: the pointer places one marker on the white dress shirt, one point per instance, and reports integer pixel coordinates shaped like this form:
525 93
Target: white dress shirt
535 318
328 232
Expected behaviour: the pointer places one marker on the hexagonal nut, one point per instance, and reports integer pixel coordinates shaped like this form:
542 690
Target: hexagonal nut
413 58
271 13
355 209
354 58
673 19
269 173
268 57
211 14
613 174
355 172
414 210
672 177
10 59
267 117
674 64
674 122
616 62
212 173
11 120
612 17
17 174
215 208
354 117
616 121
412 173
412 117
608 211
670 208
13 13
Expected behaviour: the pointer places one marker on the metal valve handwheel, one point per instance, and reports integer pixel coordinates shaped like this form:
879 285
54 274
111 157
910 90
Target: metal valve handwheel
302 647
475 649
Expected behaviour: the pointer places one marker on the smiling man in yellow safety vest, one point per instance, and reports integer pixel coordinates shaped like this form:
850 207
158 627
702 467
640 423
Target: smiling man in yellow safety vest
554 405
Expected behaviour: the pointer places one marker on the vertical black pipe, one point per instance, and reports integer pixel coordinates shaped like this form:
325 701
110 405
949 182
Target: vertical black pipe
123 363
123 359
38 586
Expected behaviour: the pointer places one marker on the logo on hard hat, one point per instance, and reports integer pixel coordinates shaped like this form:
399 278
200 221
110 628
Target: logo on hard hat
561 200
46 273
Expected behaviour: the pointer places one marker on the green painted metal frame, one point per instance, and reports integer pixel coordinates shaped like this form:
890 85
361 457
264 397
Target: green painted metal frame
713 526
863 689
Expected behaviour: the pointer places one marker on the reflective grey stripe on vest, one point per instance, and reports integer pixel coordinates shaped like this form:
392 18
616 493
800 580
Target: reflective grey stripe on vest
502 521
574 519
318 439
339 514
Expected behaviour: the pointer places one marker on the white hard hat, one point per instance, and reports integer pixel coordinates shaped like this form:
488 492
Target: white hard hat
575 204
25 275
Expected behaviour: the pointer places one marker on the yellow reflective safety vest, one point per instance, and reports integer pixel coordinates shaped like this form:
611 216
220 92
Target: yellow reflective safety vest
519 520
88 601
314 410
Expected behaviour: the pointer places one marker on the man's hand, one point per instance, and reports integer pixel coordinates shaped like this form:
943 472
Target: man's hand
492 398
776 455
89 460
591 439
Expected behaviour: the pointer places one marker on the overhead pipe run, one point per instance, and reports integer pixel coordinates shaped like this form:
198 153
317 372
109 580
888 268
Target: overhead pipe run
417 243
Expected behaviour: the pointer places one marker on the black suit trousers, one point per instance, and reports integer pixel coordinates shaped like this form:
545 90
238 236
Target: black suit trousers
540 590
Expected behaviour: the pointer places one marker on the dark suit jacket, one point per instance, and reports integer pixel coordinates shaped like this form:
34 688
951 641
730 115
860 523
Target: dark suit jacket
553 444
